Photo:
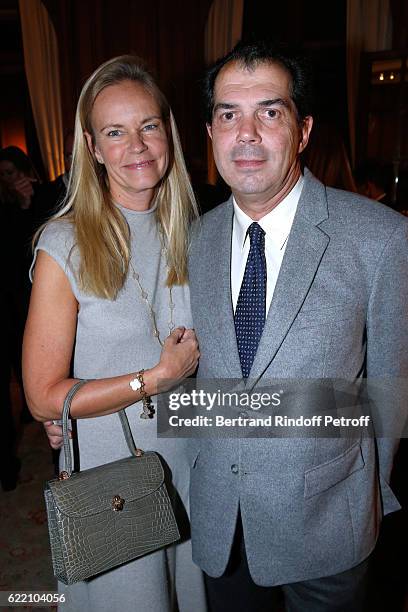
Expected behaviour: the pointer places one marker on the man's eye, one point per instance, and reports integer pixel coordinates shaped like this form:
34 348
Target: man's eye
271 113
113 133
228 116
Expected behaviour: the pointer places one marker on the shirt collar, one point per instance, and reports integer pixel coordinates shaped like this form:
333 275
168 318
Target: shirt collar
276 224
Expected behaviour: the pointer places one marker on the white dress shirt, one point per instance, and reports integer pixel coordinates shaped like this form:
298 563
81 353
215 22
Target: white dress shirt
276 225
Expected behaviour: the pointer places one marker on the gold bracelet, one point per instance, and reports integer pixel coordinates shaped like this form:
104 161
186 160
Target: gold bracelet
139 384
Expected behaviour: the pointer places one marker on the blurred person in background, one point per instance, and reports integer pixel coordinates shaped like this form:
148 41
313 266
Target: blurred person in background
18 184
20 214
53 193
17 177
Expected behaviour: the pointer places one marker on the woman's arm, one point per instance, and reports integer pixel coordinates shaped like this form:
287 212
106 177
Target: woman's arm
47 350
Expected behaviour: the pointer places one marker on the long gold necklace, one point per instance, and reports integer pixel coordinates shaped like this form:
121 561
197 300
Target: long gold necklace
145 296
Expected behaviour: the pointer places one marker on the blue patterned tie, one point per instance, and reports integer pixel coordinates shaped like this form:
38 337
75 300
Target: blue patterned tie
250 310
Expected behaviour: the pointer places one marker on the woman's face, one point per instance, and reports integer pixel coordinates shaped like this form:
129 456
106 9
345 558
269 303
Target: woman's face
8 173
130 139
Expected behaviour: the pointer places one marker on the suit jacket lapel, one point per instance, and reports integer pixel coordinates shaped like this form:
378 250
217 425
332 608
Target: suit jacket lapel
220 273
306 246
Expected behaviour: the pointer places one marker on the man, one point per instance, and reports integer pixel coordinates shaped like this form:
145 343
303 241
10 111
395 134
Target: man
305 282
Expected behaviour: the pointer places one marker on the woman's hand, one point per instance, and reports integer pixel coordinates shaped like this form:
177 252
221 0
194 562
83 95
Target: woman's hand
179 358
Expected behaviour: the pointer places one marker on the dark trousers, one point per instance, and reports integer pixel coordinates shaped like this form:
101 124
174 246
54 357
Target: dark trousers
235 591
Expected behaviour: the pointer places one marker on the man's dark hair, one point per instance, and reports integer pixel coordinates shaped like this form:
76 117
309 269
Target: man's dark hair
251 54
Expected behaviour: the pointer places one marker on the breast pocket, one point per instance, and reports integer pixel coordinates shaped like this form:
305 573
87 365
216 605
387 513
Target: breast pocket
344 331
327 317
322 341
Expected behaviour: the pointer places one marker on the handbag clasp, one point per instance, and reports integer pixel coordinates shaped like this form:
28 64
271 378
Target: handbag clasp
117 503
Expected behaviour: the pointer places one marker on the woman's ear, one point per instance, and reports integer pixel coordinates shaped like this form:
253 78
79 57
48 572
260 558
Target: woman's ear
93 148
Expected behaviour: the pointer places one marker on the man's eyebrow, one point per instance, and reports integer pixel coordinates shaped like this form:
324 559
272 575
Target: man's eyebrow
272 102
262 103
224 105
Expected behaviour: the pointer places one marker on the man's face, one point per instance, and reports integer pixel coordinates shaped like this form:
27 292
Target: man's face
255 132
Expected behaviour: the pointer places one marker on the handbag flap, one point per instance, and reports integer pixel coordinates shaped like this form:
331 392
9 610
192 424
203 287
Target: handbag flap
92 491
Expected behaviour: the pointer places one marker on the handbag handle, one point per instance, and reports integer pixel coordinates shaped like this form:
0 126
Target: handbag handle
137 452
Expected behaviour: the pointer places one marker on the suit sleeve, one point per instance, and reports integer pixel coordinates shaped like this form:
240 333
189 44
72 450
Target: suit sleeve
387 347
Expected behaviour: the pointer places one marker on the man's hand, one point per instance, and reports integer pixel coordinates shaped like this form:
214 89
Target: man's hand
54 433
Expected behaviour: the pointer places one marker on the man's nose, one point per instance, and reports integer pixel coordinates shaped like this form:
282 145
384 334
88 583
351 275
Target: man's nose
248 130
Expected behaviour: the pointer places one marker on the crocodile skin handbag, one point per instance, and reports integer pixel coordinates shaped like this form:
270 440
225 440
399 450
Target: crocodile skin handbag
107 515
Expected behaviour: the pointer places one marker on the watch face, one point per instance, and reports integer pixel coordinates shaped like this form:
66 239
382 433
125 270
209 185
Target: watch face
135 384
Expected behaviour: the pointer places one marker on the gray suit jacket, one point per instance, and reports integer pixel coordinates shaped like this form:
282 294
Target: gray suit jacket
310 507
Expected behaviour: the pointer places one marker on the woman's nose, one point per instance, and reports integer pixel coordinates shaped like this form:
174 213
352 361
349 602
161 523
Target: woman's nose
137 143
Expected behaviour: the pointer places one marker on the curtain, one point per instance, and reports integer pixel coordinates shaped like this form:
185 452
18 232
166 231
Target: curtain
369 28
42 72
223 31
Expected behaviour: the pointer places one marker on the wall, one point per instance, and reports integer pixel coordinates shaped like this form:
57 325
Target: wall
169 36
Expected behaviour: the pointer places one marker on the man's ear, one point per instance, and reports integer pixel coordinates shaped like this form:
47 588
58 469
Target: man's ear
209 129
92 147
305 130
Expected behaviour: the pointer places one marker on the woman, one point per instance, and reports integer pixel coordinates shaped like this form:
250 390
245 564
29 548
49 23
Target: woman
109 285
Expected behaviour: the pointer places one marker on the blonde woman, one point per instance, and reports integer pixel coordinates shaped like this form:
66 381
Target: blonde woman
109 290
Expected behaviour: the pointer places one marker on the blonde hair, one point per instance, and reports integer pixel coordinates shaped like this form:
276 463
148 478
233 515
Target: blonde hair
101 232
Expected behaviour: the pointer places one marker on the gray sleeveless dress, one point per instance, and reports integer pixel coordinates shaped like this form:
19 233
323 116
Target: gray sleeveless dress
116 337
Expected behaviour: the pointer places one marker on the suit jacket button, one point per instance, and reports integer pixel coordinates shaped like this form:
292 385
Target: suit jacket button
234 468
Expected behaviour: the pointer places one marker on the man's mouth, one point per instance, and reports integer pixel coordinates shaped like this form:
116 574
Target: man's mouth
248 163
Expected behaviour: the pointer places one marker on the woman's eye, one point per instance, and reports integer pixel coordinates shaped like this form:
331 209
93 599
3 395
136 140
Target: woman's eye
150 127
113 133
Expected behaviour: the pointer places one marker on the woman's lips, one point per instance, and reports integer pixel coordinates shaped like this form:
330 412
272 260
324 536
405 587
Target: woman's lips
140 165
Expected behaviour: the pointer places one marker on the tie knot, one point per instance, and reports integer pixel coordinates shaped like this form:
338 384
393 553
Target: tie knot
256 233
